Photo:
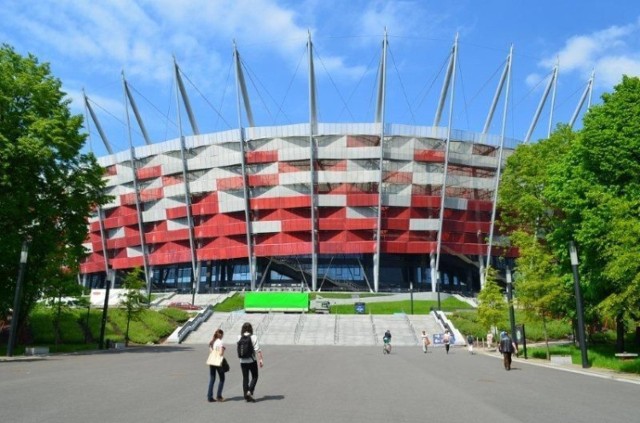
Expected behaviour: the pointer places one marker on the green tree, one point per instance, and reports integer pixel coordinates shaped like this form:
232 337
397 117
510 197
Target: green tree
598 189
58 291
48 188
134 298
491 302
540 287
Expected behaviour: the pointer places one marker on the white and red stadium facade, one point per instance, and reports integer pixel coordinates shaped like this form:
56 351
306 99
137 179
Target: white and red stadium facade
319 206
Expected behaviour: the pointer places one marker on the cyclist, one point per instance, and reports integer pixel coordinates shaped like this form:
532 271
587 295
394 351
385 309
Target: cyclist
386 339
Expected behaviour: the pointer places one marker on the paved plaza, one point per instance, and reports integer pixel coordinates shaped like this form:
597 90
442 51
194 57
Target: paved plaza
311 384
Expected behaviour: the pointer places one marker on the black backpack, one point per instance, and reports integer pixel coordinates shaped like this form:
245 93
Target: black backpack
245 347
505 345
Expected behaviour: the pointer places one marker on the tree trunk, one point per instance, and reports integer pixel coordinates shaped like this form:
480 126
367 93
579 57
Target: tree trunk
620 333
546 336
56 330
126 334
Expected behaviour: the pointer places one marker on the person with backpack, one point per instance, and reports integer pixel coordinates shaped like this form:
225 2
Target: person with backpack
470 343
248 348
506 348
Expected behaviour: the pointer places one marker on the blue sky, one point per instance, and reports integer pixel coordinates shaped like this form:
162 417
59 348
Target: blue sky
89 44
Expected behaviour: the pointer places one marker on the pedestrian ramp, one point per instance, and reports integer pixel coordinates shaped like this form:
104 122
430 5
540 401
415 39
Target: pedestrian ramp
205 331
402 333
355 330
427 323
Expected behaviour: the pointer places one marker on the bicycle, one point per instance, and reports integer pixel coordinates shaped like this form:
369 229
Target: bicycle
386 347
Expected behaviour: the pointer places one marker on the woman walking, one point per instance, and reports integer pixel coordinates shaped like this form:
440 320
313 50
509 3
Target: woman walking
216 345
248 347
425 341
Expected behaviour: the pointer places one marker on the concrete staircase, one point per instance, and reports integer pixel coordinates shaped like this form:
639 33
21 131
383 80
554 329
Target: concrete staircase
318 329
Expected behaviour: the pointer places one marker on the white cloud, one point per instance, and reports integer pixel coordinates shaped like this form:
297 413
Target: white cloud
611 68
611 52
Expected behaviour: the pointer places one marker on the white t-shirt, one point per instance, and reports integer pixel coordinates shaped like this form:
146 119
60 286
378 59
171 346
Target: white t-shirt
219 345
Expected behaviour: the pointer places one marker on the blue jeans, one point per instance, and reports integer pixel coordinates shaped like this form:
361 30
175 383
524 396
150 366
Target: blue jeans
212 380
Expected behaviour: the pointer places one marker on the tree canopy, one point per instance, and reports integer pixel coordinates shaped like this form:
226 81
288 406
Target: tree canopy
582 186
48 187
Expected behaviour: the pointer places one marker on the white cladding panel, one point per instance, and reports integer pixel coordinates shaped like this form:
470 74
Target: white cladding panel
424 225
134 252
456 203
266 227
332 200
361 212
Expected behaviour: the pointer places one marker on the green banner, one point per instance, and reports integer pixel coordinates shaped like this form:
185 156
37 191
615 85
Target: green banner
276 301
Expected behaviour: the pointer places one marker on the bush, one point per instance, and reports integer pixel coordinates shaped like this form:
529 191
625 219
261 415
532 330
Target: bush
41 325
159 324
70 330
175 314
236 302
467 323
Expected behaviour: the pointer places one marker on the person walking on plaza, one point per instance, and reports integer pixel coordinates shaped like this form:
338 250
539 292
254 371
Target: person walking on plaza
446 340
425 341
506 348
216 345
248 349
470 343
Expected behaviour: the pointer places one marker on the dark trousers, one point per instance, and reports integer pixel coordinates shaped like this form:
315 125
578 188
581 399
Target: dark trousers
249 385
446 347
212 380
506 359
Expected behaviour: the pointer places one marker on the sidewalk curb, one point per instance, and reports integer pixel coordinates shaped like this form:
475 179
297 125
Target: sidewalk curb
573 368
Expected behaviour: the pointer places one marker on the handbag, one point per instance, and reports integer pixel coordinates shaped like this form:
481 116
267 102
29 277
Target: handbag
214 359
225 365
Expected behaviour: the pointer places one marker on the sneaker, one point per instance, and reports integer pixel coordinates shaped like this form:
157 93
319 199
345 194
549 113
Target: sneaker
249 397
220 399
211 400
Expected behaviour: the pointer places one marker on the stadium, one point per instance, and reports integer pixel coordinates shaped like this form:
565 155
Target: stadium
367 206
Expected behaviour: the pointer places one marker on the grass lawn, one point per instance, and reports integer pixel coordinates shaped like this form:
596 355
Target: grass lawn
419 307
602 356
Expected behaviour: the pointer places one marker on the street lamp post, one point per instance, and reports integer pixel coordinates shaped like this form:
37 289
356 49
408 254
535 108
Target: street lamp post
438 289
573 253
512 315
411 293
13 336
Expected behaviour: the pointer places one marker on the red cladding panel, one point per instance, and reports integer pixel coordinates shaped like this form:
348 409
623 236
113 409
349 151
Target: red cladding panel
264 180
151 194
296 225
126 263
480 205
262 156
430 156
430 201
231 183
280 203
149 172
177 212
362 200
396 224
170 180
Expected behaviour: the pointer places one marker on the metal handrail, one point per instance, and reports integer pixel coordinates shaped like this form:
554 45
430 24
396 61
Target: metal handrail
193 324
